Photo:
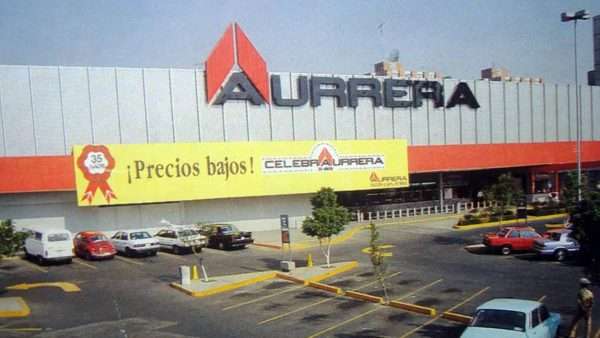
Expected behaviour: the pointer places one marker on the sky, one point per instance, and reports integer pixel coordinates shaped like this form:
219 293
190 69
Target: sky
454 37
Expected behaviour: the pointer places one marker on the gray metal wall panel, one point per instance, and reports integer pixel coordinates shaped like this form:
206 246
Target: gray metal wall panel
453 115
282 123
325 117
586 113
45 93
420 125
259 122
346 119
563 112
384 121
483 115
236 120
498 117
2 137
158 106
551 134
468 119
16 111
211 117
152 215
402 121
76 106
524 102
132 105
572 114
104 105
596 107
185 109
436 124
365 119
512 112
304 117
538 109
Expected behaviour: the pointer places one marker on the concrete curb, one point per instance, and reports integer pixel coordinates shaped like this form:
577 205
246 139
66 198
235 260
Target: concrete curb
23 310
326 287
414 308
291 278
225 288
364 297
504 223
267 245
457 317
335 271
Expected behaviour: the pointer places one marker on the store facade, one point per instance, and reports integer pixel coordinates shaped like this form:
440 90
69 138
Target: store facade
457 133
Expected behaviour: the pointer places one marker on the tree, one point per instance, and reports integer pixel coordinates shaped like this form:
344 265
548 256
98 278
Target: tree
570 193
11 241
377 258
585 217
504 192
328 219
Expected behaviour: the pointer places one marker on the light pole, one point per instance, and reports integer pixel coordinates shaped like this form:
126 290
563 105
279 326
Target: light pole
565 17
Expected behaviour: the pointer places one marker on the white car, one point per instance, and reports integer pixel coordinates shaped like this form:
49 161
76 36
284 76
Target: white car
132 242
180 238
46 245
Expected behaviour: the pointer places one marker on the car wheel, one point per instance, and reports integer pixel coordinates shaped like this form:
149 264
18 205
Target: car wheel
27 254
128 252
41 260
176 250
221 246
87 256
69 261
506 250
560 255
153 253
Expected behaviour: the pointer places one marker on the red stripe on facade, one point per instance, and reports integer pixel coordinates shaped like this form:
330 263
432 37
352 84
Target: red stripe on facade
56 173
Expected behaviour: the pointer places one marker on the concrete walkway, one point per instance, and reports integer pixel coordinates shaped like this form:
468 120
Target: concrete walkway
13 307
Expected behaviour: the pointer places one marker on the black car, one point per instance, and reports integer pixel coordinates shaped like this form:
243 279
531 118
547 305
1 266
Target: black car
225 236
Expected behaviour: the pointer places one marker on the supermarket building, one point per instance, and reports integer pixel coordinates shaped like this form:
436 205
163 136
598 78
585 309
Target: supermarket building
460 135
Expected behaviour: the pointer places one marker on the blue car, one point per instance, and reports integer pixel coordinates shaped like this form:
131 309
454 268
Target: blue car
508 318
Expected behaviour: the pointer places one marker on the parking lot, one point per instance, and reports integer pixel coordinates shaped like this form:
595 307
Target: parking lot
429 266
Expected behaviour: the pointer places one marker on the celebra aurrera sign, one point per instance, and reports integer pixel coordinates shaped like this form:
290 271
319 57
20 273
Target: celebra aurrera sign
145 173
253 84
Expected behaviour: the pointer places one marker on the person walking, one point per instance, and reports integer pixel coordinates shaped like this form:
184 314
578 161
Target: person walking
585 302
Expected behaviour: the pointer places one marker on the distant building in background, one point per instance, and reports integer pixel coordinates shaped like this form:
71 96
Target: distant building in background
594 75
396 69
502 74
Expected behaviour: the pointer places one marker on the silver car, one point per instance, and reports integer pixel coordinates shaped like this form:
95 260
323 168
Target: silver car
558 244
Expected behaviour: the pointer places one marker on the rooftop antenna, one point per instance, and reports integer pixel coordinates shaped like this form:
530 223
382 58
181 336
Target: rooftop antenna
380 28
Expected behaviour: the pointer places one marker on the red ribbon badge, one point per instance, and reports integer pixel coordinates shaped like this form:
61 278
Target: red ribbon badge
96 163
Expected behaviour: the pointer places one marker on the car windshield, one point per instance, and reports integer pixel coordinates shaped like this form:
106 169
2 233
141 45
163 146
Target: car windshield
98 238
228 228
140 235
187 232
58 237
500 319
502 233
555 236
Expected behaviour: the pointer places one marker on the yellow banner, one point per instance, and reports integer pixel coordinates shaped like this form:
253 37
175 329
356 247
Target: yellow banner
145 173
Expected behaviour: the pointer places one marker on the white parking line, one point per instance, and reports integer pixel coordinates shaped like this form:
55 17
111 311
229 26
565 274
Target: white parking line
33 266
170 255
80 262
217 251
127 260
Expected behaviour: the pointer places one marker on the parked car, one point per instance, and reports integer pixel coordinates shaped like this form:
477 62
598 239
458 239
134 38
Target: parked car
508 318
511 239
557 243
226 236
181 238
93 245
45 245
135 242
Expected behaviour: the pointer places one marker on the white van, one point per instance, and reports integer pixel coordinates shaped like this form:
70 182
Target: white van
45 245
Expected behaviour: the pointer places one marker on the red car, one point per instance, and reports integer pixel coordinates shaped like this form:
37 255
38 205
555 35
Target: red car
512 238
93 244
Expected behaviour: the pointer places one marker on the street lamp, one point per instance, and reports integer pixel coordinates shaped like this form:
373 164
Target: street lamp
565 17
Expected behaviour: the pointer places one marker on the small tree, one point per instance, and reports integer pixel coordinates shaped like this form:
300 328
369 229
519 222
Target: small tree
328 219
585 217
504 192
11 241
570 191
377 259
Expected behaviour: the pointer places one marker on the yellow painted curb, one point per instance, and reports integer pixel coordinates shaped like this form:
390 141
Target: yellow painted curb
414 308
457 317
505 223
66 287
224 288
343 268
364 296
291 278
326 287
23 312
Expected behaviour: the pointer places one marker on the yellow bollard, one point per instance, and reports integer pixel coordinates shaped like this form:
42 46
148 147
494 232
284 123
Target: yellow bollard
309 261
195 272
